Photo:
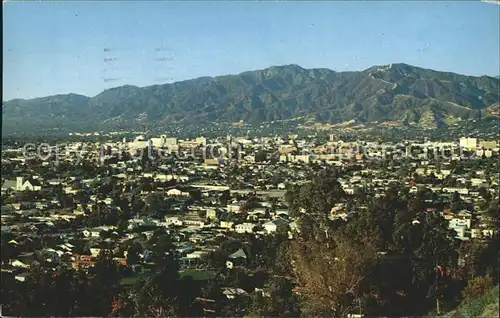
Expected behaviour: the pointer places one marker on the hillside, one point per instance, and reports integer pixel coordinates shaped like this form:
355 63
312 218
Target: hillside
396 92
484 306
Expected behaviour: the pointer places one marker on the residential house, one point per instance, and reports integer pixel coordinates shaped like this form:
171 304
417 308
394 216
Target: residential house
24 276
245 228
173 220
83 261
211 214
276 225
95 232
232 293
94 251
177 193
9 185
235 207
18 263
226 224
30 184
282 212
453 190
237 258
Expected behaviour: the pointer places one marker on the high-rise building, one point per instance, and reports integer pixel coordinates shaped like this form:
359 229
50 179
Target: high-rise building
171 141
487 144
201 141
468 143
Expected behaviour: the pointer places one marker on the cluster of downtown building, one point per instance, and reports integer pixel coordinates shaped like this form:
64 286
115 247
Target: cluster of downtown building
289 149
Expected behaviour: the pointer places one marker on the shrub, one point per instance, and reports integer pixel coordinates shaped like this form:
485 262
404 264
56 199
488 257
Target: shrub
477 287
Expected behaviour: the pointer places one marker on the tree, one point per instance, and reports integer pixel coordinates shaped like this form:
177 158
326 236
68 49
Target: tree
282 265
260 156
477 287
317 199
483 193
249 204
149 300
435 248
163 249
277 300
472 255
97 288
159 295
318 196
122 225
225 197
195 195
456 202
145 157
202 214
133 253
493 214
330 279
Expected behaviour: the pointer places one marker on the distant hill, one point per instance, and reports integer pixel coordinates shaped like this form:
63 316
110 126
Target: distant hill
395 92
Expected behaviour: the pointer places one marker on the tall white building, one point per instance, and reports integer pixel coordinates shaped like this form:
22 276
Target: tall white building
201 140
138 143
171 141
468 143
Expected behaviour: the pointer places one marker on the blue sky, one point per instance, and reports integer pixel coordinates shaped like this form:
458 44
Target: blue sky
86 47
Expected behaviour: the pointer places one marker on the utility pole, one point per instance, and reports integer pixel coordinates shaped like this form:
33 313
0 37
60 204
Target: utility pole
438 309
359 299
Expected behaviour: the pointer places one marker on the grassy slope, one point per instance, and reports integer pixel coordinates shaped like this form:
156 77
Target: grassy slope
484 306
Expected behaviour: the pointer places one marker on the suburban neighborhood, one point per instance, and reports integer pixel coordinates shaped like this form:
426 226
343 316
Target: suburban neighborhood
61 208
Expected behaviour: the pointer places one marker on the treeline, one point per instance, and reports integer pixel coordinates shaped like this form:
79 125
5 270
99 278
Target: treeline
394 257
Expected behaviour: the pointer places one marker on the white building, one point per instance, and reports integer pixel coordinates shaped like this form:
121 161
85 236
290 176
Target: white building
173 220
226 224
244 228
176 192
170 141
464 191
22 185
91 233
481 152
301 158
140 142
234 207
22 277
488 144
460 222
197 254
201 141
460 232
468 143
94 251
275 225
211 214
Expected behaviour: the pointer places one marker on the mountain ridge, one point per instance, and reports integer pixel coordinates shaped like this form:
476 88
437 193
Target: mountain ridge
393 92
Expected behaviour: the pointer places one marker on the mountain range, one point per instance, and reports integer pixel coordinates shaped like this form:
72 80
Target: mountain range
401 93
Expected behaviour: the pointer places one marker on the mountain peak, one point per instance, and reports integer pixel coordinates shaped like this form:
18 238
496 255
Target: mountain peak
285 67
392 92
294 66
392 66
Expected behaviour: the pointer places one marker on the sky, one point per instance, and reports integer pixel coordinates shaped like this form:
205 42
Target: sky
86 47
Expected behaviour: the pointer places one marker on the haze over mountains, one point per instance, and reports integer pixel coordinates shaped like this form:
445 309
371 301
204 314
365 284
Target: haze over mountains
396 92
